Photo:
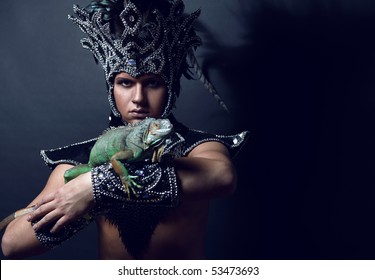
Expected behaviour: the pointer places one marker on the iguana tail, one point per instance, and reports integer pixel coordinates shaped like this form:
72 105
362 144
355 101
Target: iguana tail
18 213
75 171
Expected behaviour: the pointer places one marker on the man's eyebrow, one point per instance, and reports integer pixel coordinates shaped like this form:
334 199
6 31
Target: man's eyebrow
151 77
124 78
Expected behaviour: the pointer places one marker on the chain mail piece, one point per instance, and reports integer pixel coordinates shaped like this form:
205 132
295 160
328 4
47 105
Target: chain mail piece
158 181
157 44
136 217
52 240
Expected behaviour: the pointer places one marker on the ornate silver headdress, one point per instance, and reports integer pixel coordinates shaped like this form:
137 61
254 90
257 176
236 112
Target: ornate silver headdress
157 45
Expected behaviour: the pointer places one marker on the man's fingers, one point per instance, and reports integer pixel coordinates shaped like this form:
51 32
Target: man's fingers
46 220
40 211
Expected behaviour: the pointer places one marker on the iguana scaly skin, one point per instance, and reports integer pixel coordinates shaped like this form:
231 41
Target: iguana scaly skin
129 144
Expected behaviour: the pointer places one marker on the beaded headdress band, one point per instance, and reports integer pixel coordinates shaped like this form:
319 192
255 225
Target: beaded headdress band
159 46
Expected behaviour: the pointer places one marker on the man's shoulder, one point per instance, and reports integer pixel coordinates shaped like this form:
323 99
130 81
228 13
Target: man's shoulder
194 137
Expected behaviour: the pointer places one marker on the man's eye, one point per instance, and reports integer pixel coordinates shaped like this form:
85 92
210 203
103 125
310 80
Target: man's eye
153 83
124 83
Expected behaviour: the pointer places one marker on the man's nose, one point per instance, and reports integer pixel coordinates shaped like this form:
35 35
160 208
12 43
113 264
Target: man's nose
138 95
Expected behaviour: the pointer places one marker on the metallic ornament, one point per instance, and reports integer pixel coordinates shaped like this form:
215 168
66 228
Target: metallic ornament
156 44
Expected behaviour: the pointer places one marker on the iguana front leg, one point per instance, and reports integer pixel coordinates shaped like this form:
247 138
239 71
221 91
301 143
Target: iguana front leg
120 169
156 155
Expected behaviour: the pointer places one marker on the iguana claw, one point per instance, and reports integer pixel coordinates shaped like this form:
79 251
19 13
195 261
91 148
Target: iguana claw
130 184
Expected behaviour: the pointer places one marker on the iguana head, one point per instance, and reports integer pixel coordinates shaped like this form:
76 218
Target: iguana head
158 130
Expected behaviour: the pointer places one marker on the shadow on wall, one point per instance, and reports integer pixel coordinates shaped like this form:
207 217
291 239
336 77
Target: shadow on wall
303 82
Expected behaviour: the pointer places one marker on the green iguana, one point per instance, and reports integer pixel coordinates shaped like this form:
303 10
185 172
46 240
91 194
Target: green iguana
131 143
127 143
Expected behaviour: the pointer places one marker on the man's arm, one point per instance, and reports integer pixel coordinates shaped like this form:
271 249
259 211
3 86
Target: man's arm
207 172
19 240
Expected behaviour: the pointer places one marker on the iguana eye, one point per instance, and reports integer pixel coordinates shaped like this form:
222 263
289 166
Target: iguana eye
154 125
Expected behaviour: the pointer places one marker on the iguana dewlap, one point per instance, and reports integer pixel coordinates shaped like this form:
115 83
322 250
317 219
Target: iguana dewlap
131 143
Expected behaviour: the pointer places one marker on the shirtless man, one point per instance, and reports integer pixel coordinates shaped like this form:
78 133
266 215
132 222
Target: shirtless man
204 171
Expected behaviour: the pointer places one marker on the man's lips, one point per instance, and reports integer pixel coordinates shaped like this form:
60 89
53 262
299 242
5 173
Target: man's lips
138 113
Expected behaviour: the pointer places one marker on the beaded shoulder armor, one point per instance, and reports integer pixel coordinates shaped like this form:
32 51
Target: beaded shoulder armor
78 153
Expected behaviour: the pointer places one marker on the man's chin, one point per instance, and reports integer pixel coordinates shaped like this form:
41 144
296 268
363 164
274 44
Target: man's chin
135 120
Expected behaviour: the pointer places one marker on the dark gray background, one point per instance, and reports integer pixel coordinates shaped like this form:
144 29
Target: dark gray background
299 74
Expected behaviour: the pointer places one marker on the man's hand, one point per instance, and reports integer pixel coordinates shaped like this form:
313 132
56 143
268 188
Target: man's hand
68 203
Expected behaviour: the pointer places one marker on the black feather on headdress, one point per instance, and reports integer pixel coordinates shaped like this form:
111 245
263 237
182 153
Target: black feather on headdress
108 8
112 8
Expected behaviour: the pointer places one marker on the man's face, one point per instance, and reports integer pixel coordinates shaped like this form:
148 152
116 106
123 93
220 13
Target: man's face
138 98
